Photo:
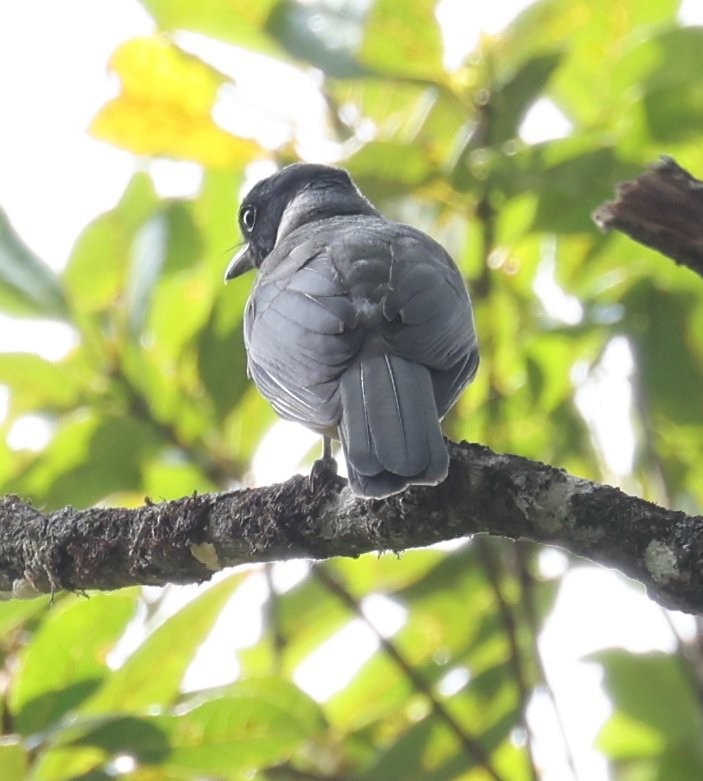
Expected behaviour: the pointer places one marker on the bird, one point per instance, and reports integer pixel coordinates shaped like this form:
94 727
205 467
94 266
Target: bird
358 327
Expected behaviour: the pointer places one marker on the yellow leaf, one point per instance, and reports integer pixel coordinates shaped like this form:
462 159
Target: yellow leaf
154 68
165 107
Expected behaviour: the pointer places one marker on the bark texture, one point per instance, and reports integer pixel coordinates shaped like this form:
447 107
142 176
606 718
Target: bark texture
186 540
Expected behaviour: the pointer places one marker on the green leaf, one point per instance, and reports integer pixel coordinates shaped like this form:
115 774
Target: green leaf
385 573
427 750
403 39
142 738
669 359
324 33
95 274
76 636
594 39
15 613
59 764
215 212
391 105
677 762
237 21
569 188
222 360
181 306
673 101
37 384
89 458
511 101
28 287
385 169
168 244
624 738
431 632
14 762
249 725
255 724
153 673
148 258
404 759
308 614
166 476
653 690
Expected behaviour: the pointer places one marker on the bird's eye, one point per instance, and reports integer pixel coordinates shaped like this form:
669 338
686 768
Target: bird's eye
248 218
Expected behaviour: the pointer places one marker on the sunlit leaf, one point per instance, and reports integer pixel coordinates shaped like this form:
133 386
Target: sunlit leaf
251 724
387 573
14 762
237 21
389 105
595 37
15 613
95 273
215 213
152 674
625 738
413 49
37 384
386 169
165 107
226 735
42 693
59 764
180 309
168 476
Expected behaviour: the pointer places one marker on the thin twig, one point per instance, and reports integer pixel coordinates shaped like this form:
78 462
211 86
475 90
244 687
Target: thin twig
471 745
491 567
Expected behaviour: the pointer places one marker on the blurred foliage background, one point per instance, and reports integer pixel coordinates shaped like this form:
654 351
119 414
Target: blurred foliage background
592 360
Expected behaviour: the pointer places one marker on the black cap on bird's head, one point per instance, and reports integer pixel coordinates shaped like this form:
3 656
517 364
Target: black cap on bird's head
298 193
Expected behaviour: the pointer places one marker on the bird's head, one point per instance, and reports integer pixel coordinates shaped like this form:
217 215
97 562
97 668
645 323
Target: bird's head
295 195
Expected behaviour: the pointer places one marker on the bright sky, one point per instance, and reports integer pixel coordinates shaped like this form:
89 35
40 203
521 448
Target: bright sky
54 178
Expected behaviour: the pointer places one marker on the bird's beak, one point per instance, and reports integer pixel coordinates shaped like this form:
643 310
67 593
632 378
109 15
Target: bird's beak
242 262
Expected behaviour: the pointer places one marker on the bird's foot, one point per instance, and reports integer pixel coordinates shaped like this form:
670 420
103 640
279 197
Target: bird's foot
324 470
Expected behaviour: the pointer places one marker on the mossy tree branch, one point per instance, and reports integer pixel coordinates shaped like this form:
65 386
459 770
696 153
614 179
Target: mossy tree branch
186 540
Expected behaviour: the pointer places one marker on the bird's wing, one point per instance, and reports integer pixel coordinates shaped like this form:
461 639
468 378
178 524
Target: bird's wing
428 314
298 337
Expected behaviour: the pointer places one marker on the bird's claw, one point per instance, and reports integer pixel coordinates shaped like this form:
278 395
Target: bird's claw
323 473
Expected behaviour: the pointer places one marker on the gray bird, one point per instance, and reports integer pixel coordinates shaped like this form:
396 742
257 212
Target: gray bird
358 327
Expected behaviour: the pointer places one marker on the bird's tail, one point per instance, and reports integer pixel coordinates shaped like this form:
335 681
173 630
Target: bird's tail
390 429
